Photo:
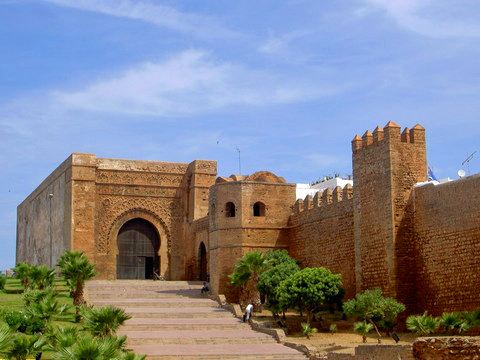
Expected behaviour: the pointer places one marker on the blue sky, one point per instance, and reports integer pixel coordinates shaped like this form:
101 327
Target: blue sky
287 82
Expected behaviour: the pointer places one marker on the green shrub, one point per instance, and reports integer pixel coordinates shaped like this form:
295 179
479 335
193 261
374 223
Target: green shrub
309 289
473 318
451 321
23 322
36 296
362 328
308 330
3 281
333 328
22 272
103 321
423 324
372 307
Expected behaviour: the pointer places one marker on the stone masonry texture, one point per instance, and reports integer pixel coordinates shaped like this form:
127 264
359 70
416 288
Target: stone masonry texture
419 244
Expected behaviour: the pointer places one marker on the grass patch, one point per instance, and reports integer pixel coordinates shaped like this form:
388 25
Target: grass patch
11 298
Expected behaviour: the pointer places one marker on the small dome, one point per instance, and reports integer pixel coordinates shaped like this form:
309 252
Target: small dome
267 177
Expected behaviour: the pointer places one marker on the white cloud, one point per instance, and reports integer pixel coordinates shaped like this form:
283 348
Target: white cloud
158 14
427 17
279 44
189 82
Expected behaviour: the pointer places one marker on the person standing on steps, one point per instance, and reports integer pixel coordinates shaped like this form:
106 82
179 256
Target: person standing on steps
248 313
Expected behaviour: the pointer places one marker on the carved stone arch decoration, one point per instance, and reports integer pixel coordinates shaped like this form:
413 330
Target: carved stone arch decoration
158 224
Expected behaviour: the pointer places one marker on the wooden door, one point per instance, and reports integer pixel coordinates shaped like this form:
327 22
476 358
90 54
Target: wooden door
137 241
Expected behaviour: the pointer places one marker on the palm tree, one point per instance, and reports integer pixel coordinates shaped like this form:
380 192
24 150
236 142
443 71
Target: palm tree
35 296
246 275
63 260
423 324
132 356
41 277
62 337
47 308
22 272
362 328
76 269
92 348
24 346
104 321
5 339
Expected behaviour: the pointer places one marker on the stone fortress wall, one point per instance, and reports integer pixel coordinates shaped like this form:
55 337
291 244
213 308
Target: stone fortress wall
447 245
321 233
420 244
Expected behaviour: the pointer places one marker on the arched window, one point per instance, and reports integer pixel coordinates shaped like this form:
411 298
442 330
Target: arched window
230 209
259 209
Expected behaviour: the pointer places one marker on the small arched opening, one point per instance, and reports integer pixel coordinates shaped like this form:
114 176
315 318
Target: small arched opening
138 246
202 263
259 209
230 209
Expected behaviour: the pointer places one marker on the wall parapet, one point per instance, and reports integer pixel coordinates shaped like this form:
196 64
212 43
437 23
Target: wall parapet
323 201
389 134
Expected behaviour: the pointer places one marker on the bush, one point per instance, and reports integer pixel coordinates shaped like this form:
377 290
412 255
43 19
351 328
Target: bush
3 281
103 321
23 322
309 289
307 330
472 318
362 328
36 296
372 307
423 324
269 282
333 328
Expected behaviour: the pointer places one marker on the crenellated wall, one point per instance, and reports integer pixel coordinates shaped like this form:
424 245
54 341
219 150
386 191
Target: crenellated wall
386 166
321 233
447 245
419 244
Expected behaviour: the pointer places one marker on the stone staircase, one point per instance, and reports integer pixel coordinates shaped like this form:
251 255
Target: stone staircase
171 320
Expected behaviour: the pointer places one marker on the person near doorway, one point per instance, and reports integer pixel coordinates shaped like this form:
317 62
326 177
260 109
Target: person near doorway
157 276
205 288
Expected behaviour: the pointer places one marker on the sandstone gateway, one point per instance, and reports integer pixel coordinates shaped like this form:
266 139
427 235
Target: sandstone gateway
420 244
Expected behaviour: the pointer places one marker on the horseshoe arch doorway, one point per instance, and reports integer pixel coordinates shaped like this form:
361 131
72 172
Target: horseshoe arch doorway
138 245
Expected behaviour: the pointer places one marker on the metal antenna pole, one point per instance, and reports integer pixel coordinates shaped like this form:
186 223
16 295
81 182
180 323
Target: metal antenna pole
467 161
239 162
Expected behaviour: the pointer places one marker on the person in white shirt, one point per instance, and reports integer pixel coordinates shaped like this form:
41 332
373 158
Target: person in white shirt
248 313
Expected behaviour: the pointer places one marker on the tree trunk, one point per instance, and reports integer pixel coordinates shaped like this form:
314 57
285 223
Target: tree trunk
78 299
376 329
364 337
309 317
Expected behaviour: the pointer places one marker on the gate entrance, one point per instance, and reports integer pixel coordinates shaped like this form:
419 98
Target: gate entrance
138 244
202 262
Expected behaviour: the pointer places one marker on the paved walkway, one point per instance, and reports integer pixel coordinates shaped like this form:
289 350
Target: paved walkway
171 320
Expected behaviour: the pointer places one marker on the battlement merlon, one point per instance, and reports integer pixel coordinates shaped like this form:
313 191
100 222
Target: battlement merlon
324 199
389 134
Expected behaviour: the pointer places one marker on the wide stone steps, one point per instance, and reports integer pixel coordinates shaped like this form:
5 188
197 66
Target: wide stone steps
195 337
227 357
163 302
224 351
139 324
173 321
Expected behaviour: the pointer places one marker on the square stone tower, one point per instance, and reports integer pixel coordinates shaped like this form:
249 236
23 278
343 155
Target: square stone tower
386 166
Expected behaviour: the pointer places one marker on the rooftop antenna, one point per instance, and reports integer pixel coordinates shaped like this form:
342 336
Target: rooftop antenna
239 162
467 161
